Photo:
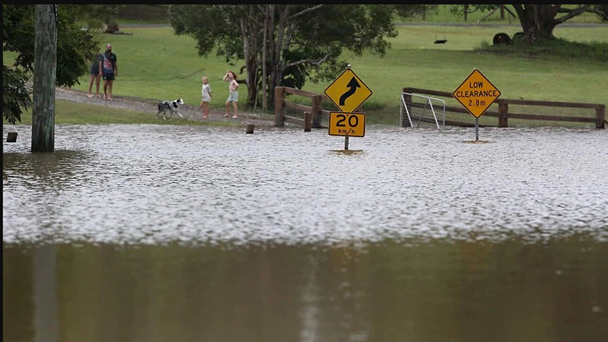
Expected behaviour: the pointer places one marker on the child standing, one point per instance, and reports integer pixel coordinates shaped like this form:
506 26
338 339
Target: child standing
95 75
233 97
206 97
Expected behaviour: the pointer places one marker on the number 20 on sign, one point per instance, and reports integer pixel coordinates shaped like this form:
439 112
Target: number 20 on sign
347 124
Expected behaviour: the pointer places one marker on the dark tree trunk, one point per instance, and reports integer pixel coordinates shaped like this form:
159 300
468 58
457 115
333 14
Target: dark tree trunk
252 81
45 68
537 21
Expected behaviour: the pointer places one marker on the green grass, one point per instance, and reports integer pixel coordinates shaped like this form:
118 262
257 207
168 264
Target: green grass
155 64
154 70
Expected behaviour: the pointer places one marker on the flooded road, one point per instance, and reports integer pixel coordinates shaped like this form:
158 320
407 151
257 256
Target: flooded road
197 233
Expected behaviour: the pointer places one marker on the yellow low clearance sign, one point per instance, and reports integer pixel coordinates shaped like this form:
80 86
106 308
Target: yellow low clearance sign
347 124
476 93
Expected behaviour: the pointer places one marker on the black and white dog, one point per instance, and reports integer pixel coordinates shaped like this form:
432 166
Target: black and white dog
171 106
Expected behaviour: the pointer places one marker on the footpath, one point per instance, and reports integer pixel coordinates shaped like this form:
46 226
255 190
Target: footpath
189 111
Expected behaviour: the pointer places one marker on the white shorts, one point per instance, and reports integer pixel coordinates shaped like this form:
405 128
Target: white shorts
233 97
206 98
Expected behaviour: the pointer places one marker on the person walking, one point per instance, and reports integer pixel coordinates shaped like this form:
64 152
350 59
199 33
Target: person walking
205 96
95 75
233 96
108 67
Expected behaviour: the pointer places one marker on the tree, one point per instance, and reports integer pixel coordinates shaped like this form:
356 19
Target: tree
286 45
75 47
539 21
45 59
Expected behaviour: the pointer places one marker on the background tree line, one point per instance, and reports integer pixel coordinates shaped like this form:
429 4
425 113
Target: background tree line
287 45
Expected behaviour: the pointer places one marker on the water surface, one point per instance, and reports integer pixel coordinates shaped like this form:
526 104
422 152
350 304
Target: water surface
150 233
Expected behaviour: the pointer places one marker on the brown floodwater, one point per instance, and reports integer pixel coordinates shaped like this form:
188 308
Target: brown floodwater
156 233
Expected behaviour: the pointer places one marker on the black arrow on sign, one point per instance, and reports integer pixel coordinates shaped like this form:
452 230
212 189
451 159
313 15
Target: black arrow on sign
353 85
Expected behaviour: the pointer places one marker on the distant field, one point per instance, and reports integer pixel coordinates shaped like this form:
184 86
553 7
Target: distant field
156 64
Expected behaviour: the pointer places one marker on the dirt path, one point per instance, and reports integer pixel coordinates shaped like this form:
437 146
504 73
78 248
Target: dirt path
189 111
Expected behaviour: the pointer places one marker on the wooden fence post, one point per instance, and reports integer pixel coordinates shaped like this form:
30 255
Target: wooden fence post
503 111
316 111
307 121
279 106
601 116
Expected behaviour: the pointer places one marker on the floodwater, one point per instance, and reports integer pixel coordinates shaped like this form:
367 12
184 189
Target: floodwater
156 233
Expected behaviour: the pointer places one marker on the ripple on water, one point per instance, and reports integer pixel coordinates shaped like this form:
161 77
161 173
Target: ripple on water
158 184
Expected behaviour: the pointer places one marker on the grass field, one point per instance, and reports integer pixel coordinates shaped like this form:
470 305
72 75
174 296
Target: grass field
154 63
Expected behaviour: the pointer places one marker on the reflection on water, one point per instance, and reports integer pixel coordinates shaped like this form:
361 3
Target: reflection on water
151 233
384 291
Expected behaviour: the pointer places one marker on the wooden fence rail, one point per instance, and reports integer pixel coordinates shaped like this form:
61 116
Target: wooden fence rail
503 115
280 106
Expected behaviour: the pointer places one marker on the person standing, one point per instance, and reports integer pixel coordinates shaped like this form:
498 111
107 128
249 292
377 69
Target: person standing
206 97
233 96
95 75
108 67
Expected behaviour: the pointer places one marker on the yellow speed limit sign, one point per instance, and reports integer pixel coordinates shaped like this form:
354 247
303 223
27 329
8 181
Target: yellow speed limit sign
347 124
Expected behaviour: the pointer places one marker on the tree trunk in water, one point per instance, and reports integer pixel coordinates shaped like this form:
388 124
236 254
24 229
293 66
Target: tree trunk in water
45 69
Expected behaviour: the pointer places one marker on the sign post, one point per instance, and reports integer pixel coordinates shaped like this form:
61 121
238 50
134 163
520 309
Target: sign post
347 92
476 94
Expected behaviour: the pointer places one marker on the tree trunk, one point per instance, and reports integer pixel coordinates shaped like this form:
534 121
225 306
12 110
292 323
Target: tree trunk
250 50
537 21
45 76
252 79
264 47
278 43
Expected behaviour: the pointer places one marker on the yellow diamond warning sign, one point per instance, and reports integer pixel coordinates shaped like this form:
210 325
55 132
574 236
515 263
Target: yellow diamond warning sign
476 93
348 91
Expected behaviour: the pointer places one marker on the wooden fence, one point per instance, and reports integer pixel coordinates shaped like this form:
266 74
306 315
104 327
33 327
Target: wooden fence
311 115
314 110
596 113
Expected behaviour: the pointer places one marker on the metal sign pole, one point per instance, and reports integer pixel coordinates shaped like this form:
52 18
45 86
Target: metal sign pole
476 129
346 142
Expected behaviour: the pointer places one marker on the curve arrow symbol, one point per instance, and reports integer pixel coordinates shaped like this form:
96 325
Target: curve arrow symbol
352 85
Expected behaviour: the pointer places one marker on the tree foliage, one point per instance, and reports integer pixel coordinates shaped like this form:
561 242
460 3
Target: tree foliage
538 21
287 44
75 47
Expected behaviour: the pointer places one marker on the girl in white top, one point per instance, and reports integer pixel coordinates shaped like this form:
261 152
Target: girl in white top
206 97
233 96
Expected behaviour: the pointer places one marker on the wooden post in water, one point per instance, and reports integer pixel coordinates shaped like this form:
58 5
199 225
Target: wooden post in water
45 65
250 128
307 121
11 137
503 112
601 116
